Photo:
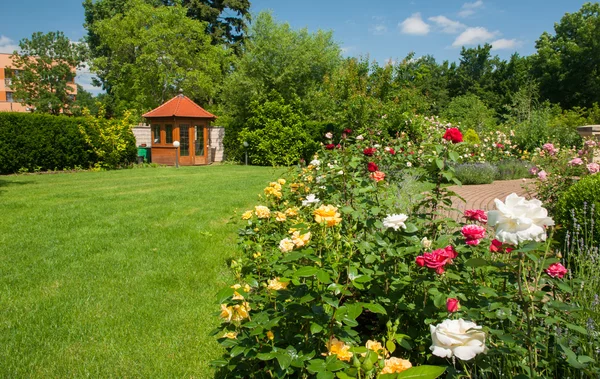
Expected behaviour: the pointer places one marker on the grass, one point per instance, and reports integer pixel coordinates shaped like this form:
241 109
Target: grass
114 274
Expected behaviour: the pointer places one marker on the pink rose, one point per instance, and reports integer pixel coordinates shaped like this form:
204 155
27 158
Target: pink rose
452 305
476 215
473 233
590 143
377 176
575 162
550 148
534 170
556 270
542 175
593 168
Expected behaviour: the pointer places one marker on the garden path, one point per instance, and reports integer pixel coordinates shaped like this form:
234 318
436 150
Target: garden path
481 196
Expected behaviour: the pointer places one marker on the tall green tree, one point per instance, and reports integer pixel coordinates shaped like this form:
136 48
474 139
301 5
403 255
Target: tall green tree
46 66
567 63
153 52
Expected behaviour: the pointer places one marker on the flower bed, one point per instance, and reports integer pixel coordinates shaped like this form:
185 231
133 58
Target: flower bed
339 278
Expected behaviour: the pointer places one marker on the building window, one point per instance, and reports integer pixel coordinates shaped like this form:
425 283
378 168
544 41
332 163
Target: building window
169 133
184 140
9 97
156 134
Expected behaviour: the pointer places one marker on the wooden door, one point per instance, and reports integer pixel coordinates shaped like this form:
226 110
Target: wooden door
200 144
186 144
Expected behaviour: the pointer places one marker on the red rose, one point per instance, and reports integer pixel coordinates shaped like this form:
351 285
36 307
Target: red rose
338 146
454 135
499 146
556 269
377 176
437 259
476 215
347 131
452 305
498 247
390 150
372 167
473 233
369 151
330 146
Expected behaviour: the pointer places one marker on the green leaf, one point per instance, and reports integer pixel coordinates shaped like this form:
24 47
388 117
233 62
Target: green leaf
391 346
323 277
422 372
315 328
224 294
410 228
219 363
375 308
325 375
316 365
336 365
476 262
305 271
237 351
571 357
291 257
439 163
265 356
585 359
454 156
283 359
577 328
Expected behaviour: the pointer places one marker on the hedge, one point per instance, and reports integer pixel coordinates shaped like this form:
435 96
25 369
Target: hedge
40 142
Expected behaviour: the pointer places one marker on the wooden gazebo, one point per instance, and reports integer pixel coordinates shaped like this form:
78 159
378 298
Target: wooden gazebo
180 119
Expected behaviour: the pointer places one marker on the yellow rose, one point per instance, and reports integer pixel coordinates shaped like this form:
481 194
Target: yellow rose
275 185
291 212
281 181
231 335
262 211
339 348
226 312
395 365
241 312
236 294
327 214
286 245
247 215
276 285
300 240
256 255
270 335
280 216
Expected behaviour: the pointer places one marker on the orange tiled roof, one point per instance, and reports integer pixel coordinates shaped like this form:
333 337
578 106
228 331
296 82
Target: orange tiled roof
180 106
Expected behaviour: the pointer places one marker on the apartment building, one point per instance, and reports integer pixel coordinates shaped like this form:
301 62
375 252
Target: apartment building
8 103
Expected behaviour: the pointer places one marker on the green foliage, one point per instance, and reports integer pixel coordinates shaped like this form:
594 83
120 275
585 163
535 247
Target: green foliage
580 204
566 62
470 112
36 142
475 173
46 65
276 134
471 137
152 53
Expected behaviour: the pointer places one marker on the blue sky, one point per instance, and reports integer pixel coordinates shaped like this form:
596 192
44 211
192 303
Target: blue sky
381 29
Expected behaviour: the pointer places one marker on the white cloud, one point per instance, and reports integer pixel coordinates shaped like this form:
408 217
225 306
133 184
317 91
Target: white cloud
504 43
7 45
468 9
347 49
84 78
379 27
414 25
447 25
474 36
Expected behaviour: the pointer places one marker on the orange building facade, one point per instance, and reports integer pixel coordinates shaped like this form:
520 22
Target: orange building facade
8 103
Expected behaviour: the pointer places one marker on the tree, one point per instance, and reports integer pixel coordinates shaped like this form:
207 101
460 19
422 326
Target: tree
85 100
153 52
46 66
567 64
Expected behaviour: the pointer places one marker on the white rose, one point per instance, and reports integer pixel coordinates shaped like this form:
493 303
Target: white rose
315 162
459 338
518 220
310 199
360 138
408 164
395 221
328 135
426 243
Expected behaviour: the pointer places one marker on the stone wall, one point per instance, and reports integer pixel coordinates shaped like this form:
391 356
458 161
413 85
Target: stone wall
142 135
215 135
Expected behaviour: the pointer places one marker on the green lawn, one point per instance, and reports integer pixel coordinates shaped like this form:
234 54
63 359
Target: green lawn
114 274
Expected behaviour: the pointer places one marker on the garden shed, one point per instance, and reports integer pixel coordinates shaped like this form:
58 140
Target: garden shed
180 119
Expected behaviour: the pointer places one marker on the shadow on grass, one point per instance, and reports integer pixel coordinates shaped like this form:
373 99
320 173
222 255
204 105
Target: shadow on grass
8 183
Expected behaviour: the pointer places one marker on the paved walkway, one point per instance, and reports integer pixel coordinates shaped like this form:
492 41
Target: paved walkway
481 196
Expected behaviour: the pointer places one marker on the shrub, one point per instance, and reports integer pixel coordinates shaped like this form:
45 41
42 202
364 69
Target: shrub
40 142
475 173
577 203
512 169
472 137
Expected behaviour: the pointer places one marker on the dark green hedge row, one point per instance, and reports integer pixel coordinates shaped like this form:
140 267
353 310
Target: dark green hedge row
40 142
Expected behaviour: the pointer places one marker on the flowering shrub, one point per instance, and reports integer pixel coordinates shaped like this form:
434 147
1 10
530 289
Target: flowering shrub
353 284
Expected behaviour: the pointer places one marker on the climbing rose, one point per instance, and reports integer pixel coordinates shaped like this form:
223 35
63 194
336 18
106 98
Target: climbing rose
459 338
556 270
372 167
369 151
519 220
454 135
476 215
473 233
